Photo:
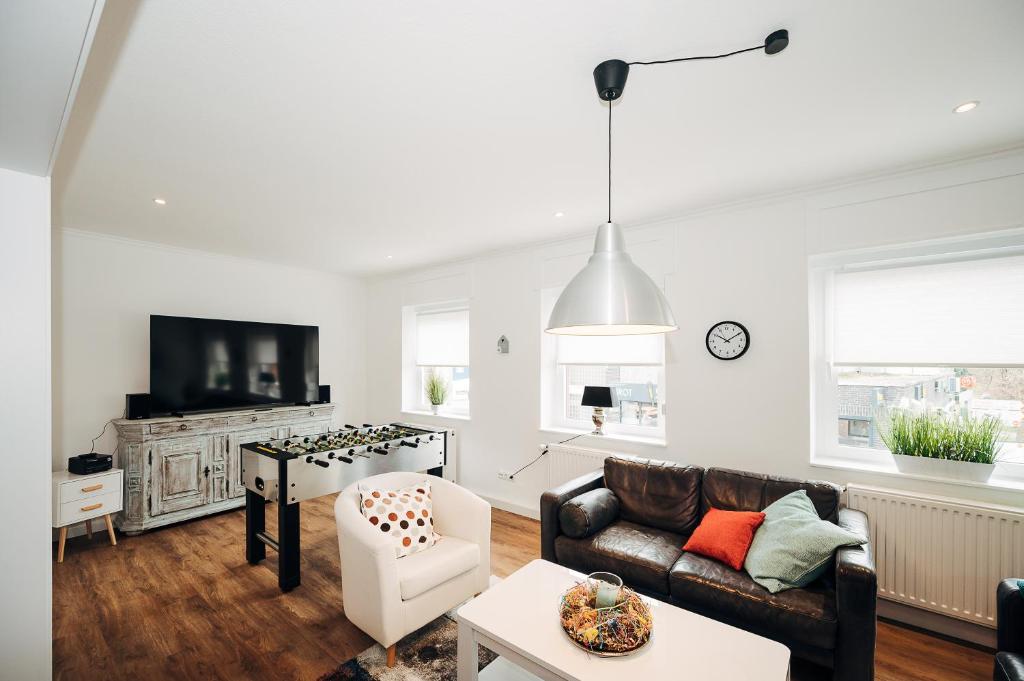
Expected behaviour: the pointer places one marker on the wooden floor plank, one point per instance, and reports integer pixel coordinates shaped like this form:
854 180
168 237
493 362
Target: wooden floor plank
181 602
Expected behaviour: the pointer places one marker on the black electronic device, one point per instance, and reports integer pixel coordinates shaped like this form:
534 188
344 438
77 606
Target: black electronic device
136 406
325 394
83 464
215 364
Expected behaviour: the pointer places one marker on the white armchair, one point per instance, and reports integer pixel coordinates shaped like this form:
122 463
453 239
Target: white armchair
389 597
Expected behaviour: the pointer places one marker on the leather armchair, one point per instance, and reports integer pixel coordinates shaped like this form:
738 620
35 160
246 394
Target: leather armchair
1009 632
388 597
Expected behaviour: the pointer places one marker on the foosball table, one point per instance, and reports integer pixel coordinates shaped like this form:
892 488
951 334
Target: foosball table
292 470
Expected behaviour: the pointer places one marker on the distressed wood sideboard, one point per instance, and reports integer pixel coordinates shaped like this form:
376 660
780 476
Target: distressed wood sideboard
177 468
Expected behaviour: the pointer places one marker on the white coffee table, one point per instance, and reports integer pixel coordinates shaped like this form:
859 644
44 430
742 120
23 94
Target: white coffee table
518 619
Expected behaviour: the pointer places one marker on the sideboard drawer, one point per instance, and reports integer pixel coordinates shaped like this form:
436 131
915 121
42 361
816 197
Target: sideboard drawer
92 486
83 509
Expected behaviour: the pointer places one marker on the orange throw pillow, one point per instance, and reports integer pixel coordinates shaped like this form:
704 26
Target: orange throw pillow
725 536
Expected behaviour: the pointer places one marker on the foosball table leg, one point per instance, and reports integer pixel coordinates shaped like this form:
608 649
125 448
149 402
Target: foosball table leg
288 541
255 523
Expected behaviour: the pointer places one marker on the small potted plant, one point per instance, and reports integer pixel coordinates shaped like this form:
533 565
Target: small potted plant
437 391
947 445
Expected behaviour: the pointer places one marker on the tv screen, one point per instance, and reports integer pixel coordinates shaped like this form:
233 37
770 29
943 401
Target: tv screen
214 364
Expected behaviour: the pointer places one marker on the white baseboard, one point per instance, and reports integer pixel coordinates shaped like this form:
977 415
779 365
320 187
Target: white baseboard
511 506
977 634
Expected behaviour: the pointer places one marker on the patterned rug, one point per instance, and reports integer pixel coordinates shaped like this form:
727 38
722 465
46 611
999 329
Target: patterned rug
425 655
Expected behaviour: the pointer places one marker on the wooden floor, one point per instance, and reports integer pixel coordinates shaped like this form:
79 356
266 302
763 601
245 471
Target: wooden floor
182 603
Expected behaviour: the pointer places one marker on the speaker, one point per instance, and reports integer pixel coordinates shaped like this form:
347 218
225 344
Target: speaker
325 394
136 406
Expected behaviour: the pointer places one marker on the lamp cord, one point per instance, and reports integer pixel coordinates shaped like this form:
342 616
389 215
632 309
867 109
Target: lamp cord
609 160
709 56
546 450
651 63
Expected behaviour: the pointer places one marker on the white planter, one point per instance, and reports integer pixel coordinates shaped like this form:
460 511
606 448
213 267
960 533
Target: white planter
941 468
434 408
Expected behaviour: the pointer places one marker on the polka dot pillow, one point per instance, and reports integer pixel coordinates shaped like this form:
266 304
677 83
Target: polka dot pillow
405 514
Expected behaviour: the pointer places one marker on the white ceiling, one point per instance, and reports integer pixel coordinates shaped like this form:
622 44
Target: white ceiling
41 45
336 134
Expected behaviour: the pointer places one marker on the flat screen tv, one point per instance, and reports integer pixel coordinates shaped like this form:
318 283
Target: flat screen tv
215 364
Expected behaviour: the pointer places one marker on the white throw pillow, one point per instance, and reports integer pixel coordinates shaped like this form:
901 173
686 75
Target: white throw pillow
407 515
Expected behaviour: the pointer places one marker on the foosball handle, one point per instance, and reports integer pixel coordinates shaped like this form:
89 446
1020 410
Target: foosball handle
381 450
318 462
403 443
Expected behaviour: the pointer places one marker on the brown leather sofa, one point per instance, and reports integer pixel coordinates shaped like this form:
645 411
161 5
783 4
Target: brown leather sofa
1009 632
633 518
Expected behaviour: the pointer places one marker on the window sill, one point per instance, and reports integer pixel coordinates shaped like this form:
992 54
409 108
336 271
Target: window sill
997 481
615 437
441 415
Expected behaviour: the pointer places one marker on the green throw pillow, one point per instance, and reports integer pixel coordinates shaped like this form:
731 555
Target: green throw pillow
793 546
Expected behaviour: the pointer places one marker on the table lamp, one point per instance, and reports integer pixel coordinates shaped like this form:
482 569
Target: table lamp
600 397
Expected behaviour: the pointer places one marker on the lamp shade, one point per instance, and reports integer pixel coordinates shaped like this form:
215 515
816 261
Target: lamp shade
598 396
611 296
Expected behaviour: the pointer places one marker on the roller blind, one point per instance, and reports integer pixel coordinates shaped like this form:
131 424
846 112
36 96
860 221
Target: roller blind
966 313
614 350
442 338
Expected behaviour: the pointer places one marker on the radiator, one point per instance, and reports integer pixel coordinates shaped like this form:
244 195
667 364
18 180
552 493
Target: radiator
943 555
566 462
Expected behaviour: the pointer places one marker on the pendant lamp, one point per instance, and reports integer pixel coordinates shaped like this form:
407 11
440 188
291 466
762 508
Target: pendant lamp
611 295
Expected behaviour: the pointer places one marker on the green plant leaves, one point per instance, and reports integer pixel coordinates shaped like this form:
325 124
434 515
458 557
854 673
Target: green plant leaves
939 436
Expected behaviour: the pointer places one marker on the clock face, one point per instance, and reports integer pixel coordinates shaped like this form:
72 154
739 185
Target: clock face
728 340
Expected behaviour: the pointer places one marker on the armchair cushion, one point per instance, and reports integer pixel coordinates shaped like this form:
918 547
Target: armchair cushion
405 514
425 570
591 511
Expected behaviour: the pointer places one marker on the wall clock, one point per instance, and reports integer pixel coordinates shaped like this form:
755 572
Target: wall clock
727 340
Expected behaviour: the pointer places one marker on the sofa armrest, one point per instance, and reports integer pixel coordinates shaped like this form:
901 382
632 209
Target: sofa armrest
856 594
1009 617
551 502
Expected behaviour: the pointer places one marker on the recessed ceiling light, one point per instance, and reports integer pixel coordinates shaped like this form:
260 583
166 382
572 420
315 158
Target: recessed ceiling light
388 257
160 202
967 106
559 214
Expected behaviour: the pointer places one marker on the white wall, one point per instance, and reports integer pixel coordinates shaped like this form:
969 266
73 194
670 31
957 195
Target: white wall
106 288
25 566
747 263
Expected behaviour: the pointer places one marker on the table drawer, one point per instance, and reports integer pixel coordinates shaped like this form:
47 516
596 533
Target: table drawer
93 507
86 488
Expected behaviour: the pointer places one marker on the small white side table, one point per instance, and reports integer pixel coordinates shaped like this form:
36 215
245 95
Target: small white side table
83 498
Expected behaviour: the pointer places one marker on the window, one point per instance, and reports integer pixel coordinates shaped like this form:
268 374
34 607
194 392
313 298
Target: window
939 334
633 366
436 345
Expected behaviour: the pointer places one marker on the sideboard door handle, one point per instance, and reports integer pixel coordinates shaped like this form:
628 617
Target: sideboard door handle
183 426
92 508
254 419
92 488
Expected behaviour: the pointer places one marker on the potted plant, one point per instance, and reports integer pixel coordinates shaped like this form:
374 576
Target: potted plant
437 391
947 445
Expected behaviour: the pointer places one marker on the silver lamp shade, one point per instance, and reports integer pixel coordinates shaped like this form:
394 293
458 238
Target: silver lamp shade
611 296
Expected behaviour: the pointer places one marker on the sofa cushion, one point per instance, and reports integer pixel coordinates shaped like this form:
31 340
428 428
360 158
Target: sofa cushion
806 616
591 511
660 494
725 535
639 554
794 547
741 491
448 558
